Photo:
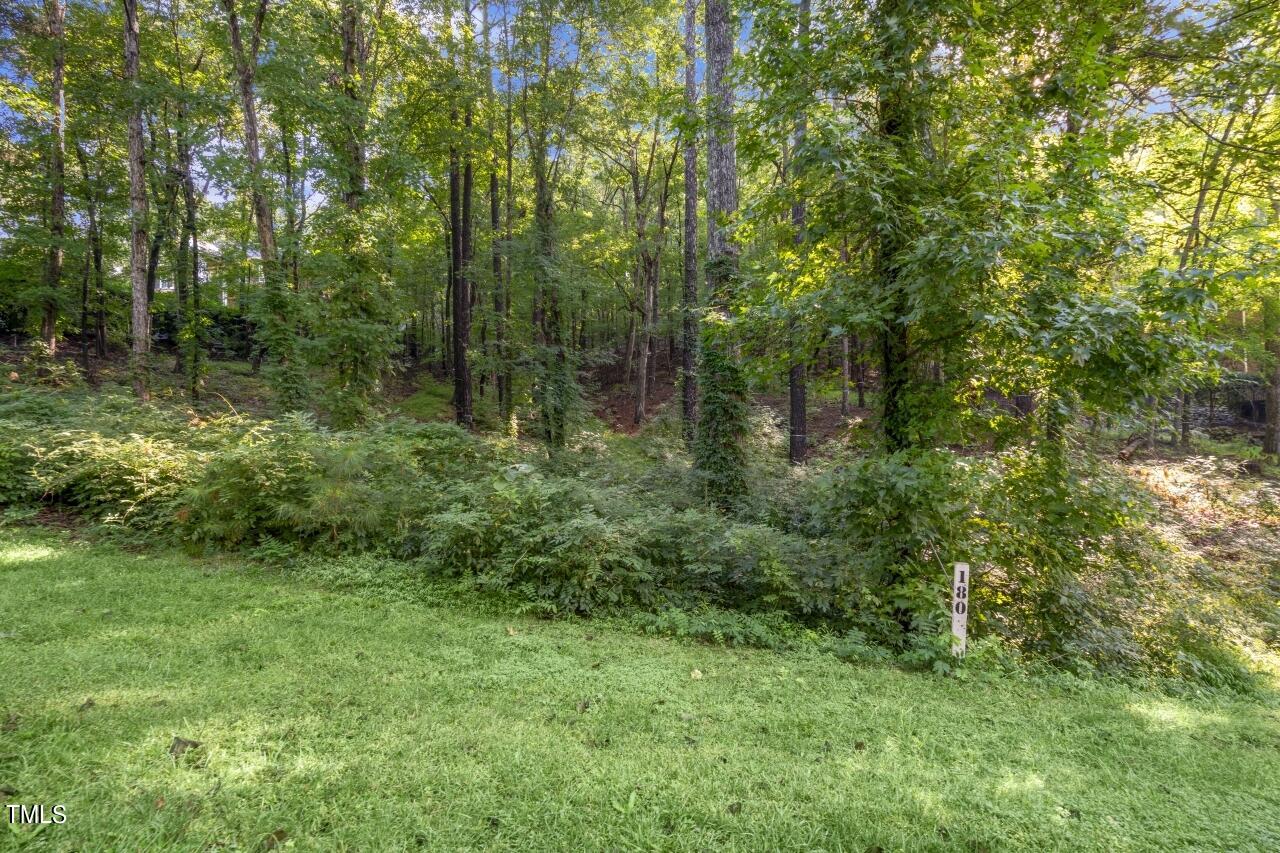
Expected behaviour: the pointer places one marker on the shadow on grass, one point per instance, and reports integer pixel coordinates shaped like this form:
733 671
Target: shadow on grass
344 722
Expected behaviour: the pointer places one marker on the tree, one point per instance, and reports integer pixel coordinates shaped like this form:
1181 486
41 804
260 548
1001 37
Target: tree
718 451
689 290
643 152
797 397
56 12
187 262
140 315
355 331
462 250
549 101
898 41
277 336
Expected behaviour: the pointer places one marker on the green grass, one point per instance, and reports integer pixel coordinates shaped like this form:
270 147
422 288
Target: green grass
433 401
338 722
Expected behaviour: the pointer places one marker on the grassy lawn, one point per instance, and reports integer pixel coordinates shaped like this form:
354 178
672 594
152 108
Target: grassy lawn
329 721
431 402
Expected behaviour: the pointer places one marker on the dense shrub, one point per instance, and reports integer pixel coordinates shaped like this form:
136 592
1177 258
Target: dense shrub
722 627
18 484
133 479
1074 571
903 520
544 537
1067 564
41 368
294 481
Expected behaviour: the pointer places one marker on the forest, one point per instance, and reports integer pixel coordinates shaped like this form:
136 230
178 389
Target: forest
576 415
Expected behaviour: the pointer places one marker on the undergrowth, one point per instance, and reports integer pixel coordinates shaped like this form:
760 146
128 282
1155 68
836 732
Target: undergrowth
852 555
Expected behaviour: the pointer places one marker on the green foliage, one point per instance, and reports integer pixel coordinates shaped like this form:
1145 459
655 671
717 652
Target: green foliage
722 420
293 689
901 521
41 368
721 627
293 481
558 395
545 538
134 480
1075 573
18 484
355 334
1068 565
431 402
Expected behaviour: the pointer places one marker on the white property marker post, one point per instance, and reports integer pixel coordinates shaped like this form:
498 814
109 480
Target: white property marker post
959 609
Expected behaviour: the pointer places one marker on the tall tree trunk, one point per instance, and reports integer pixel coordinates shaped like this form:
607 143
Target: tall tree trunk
353 141
446 309
553 392
798 422
718 451
166 200
722 166
187 273
496 248
181 290
644 346
844 376
93 260
55 13
356 319
1271 327
895 53
292 193
459 229
140 325
192 347
650 243
246 70
277 335
555 387
649 271
652 381
861 384
84 314
467 417
507 402
628 356
99 284
499 321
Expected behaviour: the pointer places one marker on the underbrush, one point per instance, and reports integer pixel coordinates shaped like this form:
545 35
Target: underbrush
851 555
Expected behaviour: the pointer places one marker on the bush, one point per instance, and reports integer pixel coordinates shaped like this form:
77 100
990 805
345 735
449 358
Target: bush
901 520
1076 573
1068 564
719 627
41 367
296 482
134 480
541 537
18 484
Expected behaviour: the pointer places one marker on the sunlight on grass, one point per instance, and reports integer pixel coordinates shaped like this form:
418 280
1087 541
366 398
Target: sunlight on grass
440 726
431 402
21 554
1172 715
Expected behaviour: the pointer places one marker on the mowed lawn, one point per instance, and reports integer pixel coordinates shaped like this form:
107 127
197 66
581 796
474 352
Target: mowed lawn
336 722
